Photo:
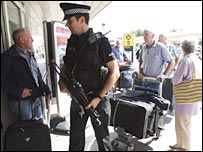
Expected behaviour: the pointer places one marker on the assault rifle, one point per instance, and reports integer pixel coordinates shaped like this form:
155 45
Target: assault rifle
78 93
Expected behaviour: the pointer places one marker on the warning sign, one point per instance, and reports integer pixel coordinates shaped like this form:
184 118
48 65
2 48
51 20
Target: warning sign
128 39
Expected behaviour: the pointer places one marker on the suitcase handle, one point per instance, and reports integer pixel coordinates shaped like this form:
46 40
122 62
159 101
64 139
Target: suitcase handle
149 78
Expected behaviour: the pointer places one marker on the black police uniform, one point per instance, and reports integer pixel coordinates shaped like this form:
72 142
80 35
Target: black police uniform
88 73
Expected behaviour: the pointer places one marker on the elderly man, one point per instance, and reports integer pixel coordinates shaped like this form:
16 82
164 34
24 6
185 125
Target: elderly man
83 60
120 54
21 78
173 51
152 59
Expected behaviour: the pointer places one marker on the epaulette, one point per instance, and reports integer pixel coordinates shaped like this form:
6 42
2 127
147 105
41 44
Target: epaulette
95 37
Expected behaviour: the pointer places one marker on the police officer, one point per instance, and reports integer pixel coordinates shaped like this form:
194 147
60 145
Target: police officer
86 53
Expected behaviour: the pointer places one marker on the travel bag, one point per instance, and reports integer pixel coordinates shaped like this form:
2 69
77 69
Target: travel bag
138 118
28 135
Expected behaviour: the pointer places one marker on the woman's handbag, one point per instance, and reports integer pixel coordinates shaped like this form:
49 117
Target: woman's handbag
189 91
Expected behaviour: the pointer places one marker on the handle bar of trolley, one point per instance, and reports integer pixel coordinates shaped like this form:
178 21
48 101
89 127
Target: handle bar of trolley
155 80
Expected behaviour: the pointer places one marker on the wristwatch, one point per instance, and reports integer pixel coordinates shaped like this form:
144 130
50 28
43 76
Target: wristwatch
162 77
98 96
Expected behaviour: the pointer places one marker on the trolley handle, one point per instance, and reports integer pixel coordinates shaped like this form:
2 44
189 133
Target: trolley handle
149 78
152 78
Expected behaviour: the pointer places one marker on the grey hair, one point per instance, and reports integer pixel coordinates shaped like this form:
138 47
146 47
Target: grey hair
150 29
17 33
189 45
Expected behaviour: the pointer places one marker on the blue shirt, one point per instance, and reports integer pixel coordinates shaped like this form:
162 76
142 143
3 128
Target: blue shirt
31 62
154 58
120 54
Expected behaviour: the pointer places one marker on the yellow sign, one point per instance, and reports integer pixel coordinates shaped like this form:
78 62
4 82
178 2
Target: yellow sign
128 39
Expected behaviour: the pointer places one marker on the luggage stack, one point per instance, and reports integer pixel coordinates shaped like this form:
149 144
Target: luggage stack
137 112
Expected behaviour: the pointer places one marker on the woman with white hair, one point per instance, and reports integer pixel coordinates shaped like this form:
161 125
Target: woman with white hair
184 112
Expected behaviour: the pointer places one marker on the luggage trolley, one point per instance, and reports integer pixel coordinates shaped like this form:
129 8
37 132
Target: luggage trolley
123 136
156 114
161 127
152 79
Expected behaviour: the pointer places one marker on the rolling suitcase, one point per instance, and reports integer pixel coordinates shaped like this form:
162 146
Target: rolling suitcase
29 135
138 118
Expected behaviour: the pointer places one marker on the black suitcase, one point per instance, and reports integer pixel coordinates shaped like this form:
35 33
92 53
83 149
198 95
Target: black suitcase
138 118
147 95
29 135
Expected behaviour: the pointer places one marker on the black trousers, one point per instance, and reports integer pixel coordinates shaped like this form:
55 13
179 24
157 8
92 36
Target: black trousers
78 124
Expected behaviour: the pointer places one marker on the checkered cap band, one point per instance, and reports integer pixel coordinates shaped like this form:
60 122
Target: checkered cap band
76 11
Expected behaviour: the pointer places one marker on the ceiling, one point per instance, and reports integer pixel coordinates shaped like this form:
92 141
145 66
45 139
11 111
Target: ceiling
50 11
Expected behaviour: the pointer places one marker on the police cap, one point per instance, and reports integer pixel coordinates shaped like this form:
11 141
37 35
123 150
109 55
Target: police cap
71 9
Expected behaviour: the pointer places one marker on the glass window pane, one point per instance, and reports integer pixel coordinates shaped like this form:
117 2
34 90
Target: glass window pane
13 17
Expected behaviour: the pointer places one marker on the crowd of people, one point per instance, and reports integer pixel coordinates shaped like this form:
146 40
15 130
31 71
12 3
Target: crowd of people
22 81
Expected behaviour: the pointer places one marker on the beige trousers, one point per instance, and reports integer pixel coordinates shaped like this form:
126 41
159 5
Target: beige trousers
182 127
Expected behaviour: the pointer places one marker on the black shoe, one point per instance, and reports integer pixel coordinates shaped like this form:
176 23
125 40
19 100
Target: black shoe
160 128
171 108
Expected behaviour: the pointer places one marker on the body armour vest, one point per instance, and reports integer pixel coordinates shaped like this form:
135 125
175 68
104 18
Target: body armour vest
88 61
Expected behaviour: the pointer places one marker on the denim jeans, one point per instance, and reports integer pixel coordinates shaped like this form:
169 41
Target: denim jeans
29 109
